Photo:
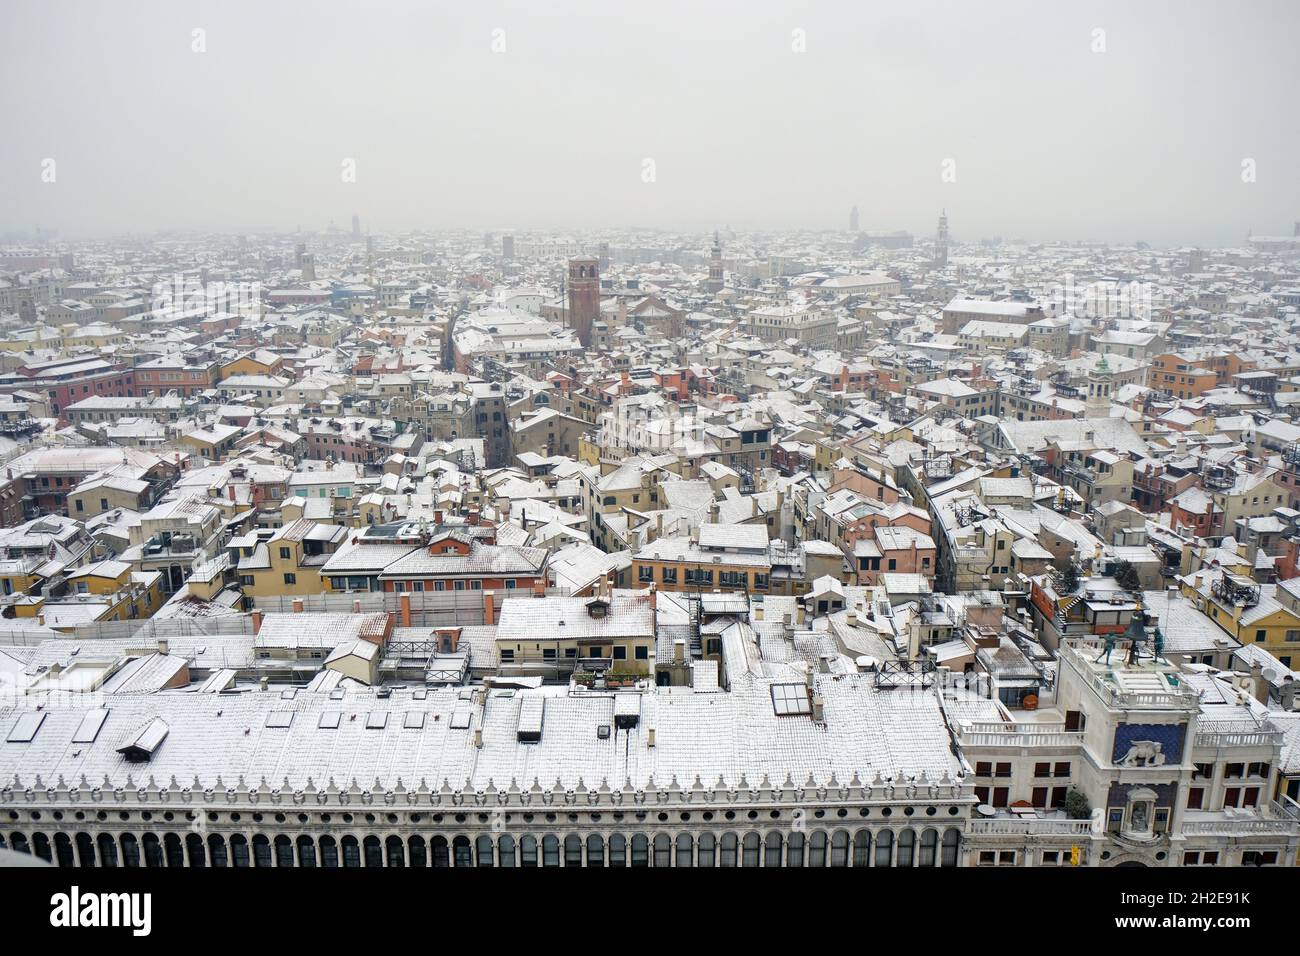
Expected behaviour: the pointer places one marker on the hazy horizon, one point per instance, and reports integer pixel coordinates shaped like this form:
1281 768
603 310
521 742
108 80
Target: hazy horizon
1050 139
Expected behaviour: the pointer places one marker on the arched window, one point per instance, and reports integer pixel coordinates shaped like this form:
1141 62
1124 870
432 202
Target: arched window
216 850
85 849
174 850
595 849
617 850
483 850
18 843
153 852
951 841
794 850
238 850
63 850
283 851
306 852
329 853
640 850
906 847
885 848
506 850
753 843
685 850
130 851
729 851
528 851
550 850
840 848
573 850
817 848
418 852
261 851
351 853
439 851
663 850
706 849
196 851
862 848
929 843
772 856
41 847
461 855
396 851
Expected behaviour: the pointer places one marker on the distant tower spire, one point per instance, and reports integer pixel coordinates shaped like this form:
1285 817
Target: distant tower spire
853 219
715 283
941 241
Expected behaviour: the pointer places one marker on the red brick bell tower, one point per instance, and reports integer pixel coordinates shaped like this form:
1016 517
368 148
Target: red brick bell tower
584 296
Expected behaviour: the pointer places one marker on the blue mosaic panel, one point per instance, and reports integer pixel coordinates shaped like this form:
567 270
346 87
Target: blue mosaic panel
1169 736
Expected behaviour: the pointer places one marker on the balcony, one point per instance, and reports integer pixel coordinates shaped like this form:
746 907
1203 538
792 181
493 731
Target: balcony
1027 825
1018 735
1240 823
1225 739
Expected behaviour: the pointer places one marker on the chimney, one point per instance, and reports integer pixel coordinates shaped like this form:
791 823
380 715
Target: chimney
297 605
650 737
257 620
478 737
356 606
654 598
818 709
1286 694
163 646
265 682
1258 683
489 608
404 602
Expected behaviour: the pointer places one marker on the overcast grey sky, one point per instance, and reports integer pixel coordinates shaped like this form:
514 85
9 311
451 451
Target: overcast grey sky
1049 139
